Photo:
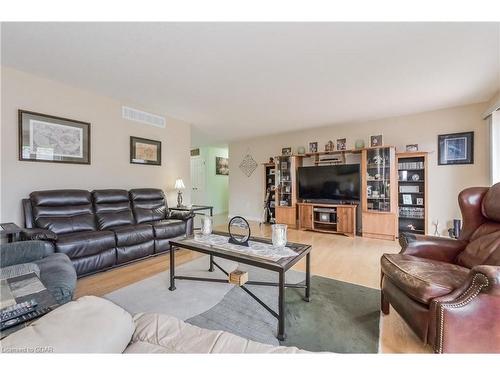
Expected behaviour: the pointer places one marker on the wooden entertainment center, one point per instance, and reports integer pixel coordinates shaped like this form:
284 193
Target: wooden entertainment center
379 194
328 218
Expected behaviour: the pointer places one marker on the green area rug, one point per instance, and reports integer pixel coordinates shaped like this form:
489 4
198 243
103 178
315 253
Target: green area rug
341 317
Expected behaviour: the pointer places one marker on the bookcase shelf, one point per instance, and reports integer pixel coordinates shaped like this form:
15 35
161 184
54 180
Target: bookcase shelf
412 217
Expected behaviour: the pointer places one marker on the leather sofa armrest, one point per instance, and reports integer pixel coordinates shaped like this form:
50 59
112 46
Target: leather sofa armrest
431 247
180 215
463 320
24 252
39 234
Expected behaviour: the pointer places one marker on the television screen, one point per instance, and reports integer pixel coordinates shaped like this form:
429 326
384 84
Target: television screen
335 183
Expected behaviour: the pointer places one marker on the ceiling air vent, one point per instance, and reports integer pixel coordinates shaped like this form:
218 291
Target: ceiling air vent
144 117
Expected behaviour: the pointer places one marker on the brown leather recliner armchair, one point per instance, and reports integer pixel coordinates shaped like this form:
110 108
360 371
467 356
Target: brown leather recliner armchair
448 291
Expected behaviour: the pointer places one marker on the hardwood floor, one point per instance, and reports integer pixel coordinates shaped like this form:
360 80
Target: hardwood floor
355 260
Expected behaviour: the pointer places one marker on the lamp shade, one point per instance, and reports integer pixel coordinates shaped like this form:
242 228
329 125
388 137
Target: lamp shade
179 184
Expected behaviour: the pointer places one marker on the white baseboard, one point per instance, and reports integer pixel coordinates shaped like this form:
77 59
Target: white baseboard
248 218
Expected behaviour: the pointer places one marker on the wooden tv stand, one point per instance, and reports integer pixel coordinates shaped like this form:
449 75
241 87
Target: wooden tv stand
328 218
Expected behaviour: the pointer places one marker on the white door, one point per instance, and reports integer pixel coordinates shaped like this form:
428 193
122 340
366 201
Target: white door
198 180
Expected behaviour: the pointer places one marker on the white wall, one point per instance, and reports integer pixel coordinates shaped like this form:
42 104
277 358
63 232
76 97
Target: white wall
110 166
216 186
445 182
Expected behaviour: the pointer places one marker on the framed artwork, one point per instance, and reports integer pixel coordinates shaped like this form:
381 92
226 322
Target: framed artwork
407 199
145 151
53 139
286 151
313 147
456 148
221 166
412 148
341 144
329 146
376 140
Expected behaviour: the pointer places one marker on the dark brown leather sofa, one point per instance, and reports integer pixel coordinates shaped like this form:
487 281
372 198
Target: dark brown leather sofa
448 291
104 228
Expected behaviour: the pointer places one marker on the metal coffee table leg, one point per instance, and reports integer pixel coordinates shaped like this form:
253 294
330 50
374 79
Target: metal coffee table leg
281 307
211 269
308 277
172 269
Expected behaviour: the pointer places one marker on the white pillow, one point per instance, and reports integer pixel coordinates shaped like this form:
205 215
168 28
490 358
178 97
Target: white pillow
87 325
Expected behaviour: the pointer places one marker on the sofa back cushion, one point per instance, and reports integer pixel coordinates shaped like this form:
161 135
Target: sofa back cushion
148 205
112 208
63 211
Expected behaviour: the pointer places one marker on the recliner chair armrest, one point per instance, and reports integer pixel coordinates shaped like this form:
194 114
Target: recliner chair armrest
24 252
431 247
463 320
180 215
39 234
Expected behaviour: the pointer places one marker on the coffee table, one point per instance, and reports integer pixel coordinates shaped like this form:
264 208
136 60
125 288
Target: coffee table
241 254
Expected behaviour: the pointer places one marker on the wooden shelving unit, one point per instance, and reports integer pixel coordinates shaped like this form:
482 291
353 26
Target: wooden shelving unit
379 192
286 189
412 186
270 183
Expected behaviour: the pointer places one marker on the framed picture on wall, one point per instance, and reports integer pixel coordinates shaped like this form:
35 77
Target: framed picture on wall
221 166
53 139
145 151
456 148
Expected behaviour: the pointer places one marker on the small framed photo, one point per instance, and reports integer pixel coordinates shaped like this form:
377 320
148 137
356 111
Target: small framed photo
342 144
456 148
412 148
313 147
286 151
53 139
420 201
221 166
376 140
145 151
407 199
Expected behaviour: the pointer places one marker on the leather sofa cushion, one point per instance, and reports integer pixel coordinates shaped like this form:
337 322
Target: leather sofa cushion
67 224
422 279
80 244
112 207
148 205
63 211
483 250
157 333
133 234
169 228
87 325
67 197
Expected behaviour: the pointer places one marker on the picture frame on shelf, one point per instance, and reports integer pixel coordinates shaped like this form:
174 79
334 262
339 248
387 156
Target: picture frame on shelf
376 140
342 144
46 138
145 151
329 146
420 201
286 151
412 148
313 147
407 199
456 148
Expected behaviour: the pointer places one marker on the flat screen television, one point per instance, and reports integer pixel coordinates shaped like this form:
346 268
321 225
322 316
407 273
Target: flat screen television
329 183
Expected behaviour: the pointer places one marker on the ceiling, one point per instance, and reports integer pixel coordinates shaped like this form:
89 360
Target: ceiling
237 80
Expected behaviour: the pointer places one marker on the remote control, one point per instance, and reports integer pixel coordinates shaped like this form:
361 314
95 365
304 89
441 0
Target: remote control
24 318
17 310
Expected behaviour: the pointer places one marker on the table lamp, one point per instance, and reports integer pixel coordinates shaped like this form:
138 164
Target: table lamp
179 185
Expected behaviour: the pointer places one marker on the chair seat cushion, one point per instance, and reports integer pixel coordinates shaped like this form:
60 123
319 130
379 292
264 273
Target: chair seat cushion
134 234
58 275
169 228
422 279
81 244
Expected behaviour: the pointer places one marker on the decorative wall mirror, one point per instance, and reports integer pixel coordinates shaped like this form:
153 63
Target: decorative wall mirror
239 231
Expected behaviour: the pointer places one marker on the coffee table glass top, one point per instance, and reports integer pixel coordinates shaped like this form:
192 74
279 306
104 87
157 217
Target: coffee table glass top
260 250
